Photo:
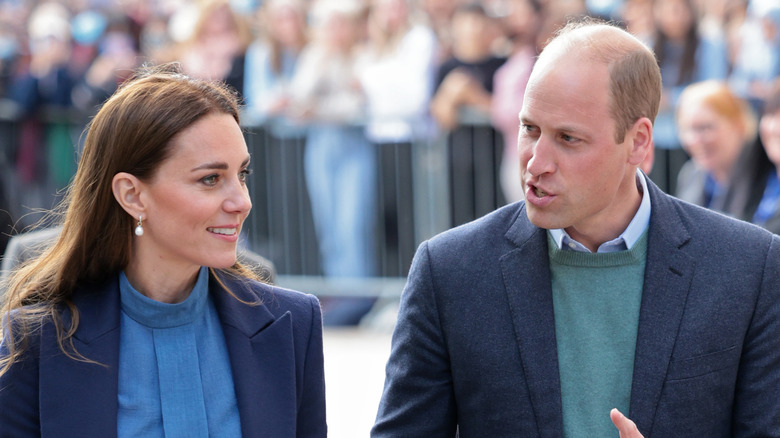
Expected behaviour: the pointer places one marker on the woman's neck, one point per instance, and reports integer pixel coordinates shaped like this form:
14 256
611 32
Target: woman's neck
159 284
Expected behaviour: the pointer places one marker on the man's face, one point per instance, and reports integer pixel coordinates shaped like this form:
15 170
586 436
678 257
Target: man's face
575 176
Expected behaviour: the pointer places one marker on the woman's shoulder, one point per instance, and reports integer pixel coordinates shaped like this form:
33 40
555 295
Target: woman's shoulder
276 299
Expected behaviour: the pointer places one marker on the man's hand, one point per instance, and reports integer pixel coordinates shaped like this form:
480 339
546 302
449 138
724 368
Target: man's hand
626 427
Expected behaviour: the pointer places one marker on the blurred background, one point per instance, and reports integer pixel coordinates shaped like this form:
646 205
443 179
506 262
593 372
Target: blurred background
373 124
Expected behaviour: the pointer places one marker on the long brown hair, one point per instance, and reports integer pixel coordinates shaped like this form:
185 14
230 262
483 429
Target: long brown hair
687 70
131 133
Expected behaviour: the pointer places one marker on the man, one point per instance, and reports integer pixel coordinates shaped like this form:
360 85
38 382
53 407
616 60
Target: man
597 292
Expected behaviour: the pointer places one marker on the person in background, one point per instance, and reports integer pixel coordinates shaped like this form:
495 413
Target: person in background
45 79
114 62
714 125
339 162
461 107
753 194
686 53
599 302
396 71
522 28
271 60
757 63
637 16
438 14
42 89
216 46
138 320
465 80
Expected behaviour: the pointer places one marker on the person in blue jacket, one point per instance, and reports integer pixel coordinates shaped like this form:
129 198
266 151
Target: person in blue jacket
138 320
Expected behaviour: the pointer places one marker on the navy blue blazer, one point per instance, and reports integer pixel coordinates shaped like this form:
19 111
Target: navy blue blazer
474 348
275 353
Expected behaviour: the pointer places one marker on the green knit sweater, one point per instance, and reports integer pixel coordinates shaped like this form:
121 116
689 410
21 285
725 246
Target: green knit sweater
596 299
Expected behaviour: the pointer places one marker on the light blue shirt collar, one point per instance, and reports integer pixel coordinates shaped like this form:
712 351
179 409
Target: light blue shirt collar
626 240
155 314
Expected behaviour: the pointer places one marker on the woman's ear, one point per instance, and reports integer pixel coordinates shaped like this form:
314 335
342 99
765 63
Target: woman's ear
127 192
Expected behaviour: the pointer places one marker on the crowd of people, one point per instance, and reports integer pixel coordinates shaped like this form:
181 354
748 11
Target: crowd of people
350 77
599 306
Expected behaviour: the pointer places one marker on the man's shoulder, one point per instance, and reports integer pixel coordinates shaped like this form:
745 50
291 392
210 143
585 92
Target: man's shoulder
488 230
706 225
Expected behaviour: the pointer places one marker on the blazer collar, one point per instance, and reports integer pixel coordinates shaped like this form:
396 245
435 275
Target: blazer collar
526 275
247 319
99 307
262 357
668 276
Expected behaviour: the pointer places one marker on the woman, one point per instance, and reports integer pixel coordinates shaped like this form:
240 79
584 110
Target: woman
339 161
138 321
522 24
714 125
270 64
396 74
216 47
686 53
754 191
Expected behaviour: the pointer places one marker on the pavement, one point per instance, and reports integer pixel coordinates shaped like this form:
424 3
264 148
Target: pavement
355 360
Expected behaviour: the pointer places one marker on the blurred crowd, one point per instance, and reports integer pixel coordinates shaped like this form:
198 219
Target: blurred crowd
351 76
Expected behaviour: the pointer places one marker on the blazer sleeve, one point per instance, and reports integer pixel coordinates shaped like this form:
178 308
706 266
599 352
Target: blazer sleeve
311 410
418 398
19 414
757 403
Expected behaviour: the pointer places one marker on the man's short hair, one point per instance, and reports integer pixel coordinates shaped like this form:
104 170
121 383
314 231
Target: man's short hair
634 75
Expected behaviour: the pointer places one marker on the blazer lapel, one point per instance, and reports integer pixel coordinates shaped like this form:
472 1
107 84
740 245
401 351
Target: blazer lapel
527 282
80 398
668 275
262 361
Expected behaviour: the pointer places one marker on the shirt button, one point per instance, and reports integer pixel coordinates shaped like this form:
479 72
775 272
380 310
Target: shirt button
572 245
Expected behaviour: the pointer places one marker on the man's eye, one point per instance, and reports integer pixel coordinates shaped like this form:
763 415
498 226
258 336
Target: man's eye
568 138
528 129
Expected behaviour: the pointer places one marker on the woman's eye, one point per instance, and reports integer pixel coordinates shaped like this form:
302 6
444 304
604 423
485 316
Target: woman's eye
244 175
210 180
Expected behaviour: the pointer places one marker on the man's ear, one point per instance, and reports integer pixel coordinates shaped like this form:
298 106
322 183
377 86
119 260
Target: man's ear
127 192
641 141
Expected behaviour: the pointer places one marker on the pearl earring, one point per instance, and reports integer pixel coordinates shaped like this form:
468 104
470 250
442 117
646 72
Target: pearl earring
139 229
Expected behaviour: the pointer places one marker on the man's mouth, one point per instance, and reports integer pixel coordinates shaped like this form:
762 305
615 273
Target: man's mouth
539 193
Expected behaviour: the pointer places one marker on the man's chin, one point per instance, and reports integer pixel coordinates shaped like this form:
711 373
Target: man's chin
543 219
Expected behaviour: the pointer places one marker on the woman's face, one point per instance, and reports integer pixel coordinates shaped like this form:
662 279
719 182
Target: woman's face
391 15
287 25
770 136
674 18
712 140
197 199
522 18
340 32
